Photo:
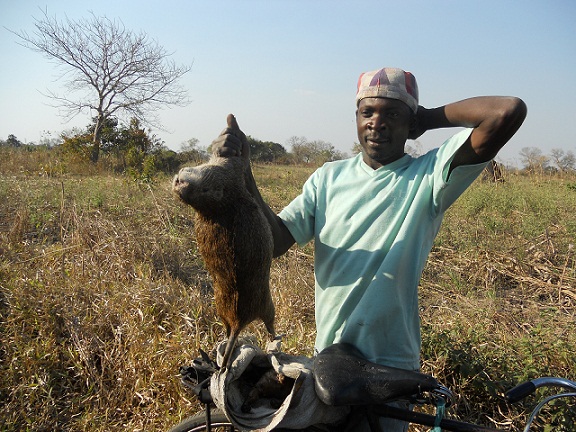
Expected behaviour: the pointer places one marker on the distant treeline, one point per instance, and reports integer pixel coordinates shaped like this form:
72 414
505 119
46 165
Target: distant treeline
135 150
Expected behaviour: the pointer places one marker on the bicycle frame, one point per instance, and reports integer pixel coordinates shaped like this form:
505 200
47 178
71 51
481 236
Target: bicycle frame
429 420
514 395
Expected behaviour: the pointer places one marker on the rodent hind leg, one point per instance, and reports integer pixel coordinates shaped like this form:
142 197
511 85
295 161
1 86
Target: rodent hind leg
230 345
270 328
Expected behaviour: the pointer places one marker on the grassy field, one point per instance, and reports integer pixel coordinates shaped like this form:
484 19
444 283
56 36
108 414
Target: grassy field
103 296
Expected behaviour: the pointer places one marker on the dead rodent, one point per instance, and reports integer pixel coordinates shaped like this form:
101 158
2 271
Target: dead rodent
235 241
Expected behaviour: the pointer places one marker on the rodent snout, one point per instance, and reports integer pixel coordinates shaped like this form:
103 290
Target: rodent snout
183 176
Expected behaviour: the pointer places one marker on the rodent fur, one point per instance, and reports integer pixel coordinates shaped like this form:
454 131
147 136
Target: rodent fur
235 241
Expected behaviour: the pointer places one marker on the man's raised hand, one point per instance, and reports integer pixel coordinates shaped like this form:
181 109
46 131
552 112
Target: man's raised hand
232 141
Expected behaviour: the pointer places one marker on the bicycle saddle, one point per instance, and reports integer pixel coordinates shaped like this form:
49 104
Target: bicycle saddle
344 377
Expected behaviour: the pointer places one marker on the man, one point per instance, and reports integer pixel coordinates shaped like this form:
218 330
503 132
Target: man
374 217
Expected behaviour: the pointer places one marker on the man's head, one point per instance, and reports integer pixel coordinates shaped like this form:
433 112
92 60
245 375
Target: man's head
387 101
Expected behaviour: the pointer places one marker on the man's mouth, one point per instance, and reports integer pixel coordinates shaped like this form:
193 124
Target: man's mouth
377 140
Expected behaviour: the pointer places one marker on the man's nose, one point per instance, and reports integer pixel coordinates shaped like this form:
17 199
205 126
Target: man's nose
378 123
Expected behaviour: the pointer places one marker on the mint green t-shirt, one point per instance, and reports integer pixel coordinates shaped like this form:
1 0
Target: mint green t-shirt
372 232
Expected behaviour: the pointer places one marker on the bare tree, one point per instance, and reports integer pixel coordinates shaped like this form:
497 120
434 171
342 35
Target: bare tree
108 69
533 159
564 161
299 148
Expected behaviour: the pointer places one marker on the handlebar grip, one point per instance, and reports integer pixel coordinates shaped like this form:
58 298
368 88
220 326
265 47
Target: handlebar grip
520 392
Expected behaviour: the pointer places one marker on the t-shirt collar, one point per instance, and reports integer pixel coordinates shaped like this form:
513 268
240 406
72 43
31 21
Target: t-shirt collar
388 167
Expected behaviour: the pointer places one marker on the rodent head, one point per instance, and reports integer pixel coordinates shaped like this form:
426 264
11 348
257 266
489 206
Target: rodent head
207 187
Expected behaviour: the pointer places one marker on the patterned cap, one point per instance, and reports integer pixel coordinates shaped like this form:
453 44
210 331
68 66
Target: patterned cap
390 83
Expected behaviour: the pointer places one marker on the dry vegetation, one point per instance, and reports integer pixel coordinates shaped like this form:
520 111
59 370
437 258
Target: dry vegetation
103 296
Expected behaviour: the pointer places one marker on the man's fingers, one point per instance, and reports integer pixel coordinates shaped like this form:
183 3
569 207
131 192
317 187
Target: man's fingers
226 152
236 139
234 129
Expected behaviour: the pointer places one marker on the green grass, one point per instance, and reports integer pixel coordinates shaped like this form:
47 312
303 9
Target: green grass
103 296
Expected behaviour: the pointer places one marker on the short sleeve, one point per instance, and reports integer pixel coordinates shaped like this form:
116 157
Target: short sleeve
447 189
299 215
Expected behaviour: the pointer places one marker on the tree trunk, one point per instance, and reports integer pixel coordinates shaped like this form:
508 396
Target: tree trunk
95 153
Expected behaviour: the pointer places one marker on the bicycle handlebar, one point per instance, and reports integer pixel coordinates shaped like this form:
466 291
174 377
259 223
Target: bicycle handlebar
527 388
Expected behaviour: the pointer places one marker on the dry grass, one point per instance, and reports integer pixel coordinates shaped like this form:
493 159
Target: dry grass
103 296
498 295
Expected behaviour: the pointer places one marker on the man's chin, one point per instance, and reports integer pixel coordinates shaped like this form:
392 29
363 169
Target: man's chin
382 158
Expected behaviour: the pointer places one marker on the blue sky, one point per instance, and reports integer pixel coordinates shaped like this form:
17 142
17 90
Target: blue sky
287 68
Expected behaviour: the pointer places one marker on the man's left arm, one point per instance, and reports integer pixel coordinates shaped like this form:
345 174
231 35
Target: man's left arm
495 119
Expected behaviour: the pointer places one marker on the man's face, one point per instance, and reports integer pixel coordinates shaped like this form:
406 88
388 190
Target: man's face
383 127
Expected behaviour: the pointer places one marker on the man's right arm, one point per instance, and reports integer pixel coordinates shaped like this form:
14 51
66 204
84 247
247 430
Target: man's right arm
232 142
